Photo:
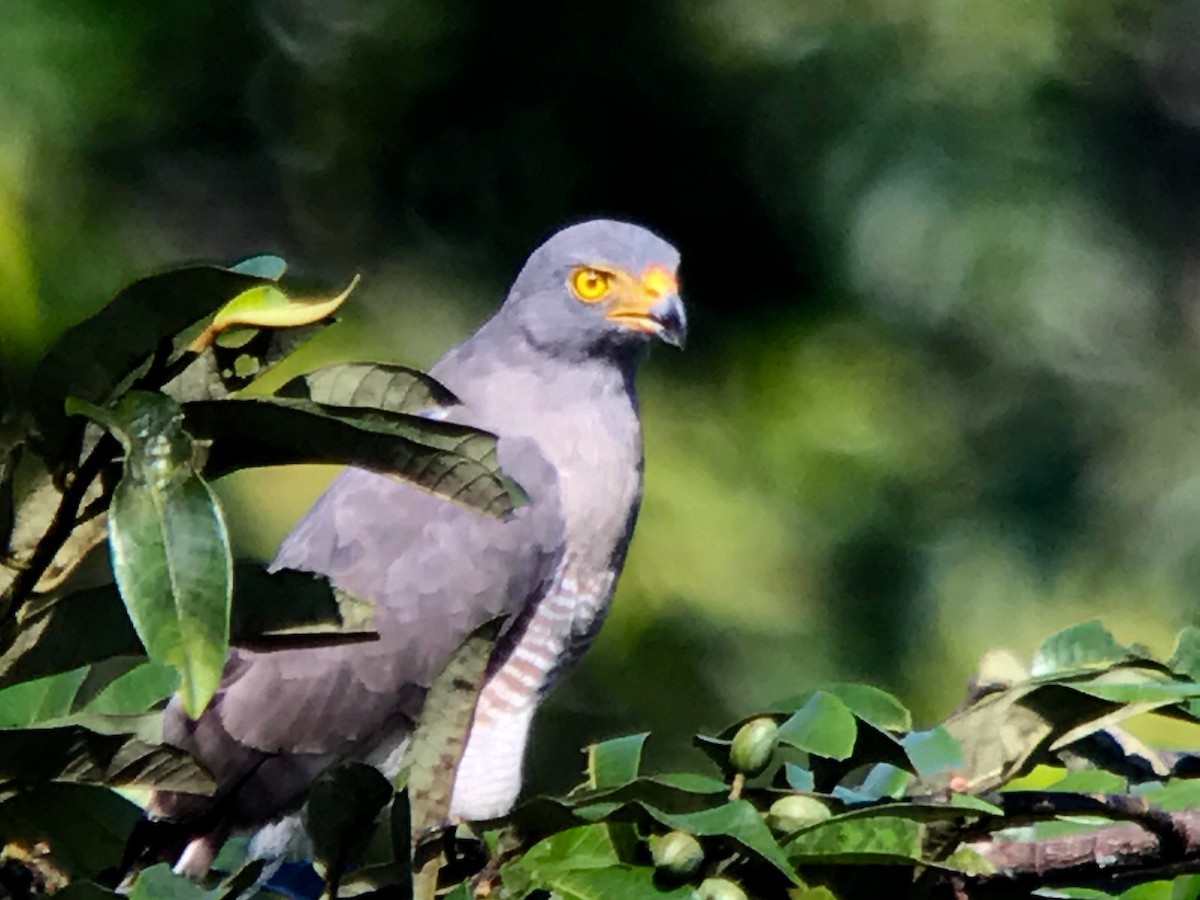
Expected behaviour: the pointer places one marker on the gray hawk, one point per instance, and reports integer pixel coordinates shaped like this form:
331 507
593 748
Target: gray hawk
552 375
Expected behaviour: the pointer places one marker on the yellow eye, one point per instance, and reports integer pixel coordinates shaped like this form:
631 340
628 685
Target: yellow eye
590 285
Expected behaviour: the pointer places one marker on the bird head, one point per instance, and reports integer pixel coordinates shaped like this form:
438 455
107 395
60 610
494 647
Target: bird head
599 287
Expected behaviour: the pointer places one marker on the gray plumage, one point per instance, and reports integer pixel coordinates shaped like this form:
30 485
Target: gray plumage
551 373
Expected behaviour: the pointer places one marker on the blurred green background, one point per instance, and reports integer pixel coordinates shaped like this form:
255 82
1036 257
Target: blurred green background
941 258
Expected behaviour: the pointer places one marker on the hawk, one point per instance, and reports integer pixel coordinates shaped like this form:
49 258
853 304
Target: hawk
552 375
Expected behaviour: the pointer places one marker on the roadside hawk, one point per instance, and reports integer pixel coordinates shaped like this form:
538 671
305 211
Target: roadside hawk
552 375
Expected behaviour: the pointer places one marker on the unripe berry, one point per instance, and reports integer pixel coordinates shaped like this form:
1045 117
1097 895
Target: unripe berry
753 746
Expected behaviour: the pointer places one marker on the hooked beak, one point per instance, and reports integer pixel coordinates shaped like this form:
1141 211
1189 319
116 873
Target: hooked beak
671 320
653 307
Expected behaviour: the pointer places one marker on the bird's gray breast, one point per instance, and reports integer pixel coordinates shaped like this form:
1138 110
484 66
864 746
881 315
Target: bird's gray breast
584 424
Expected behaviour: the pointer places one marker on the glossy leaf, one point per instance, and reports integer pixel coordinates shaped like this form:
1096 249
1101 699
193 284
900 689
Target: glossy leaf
91 625
876 840
80 756
824 726
451 460
170 548
433 753
615 762
933 752
267 306
1084 646
626 882
266 266
583 847
92 359
41 700
737 820
388 387
868 703
798 777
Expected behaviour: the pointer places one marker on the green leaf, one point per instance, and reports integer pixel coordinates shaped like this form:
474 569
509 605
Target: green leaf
878 840
933 752
1089 781
86 890
81 756
135 691
268 306
1002 731
584 847
170 548
343 804
373 385
39 701
884 780
1085 646
870 704
92 359
1176 795
91 625
451 460
1186 658
160 883
798 777
615 762
265 266
119 686
433 753
737 820
873 705
86 826
626 882
823 726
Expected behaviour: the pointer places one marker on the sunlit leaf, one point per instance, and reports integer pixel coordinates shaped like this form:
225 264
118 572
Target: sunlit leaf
884 780
632 882
876 840
933 752
867 702
584 847
39 701
737 820
1084 646
823 726
267 306
170 548
615 762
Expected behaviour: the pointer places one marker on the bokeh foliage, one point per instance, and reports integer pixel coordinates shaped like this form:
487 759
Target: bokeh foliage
940 262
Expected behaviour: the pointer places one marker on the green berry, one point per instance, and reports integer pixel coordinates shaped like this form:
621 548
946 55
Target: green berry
677 854
753 746
719 889
796 811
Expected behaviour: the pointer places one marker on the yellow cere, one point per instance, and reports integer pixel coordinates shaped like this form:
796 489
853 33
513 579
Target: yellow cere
658 282
590 284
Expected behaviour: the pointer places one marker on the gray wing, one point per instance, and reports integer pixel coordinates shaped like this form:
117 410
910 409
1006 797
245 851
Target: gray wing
436 570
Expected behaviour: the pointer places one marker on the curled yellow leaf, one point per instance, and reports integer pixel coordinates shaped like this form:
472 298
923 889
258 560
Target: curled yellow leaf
268 306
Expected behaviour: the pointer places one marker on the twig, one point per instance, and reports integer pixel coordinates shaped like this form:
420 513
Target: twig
58 531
